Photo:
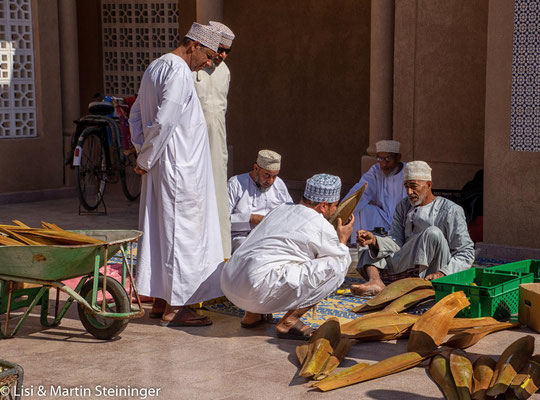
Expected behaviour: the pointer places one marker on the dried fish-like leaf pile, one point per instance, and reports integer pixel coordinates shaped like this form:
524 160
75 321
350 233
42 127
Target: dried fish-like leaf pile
21 234
450 367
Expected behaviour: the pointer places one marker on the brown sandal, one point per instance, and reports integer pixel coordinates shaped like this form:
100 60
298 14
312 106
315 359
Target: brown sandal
296 332
181 319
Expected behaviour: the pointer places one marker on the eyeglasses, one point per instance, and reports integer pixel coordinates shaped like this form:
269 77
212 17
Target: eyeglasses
223 50
385 159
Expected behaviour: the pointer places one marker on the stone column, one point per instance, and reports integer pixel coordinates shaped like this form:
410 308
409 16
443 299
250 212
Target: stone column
69 67
381 76
209 10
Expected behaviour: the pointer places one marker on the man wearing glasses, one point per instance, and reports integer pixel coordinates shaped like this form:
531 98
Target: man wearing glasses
384 190
180 253
212 84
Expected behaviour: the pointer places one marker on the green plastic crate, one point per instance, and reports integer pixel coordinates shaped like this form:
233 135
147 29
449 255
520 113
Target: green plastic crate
495 294
519 267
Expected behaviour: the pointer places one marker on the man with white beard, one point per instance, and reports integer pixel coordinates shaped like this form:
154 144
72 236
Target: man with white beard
428 238
384 190
254 194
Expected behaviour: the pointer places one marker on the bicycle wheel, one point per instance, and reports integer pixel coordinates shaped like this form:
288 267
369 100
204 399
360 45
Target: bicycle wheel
131 181
91 173
102 327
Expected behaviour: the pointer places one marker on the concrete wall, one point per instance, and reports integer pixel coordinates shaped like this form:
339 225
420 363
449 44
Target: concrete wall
299 84
512 181
37 163
439 85
90 54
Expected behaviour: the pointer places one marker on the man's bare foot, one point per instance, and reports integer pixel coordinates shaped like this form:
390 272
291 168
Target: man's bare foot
183 316
251 320
369 288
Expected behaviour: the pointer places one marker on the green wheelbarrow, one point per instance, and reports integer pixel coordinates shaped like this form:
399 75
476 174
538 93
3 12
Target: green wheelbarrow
104 304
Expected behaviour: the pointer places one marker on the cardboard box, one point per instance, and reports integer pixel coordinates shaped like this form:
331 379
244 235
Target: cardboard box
529 305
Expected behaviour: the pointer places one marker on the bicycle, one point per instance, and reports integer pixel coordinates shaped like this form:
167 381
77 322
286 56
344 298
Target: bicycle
101 152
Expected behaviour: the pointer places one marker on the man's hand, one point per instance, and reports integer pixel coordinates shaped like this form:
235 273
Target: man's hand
344 231
255 219
436 275
139 170
366 238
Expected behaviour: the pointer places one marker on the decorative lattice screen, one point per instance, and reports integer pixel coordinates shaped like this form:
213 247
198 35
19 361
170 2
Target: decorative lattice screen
134 33
525 117
17 87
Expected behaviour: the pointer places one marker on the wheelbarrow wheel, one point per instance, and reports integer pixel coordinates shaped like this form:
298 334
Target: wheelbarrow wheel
102 327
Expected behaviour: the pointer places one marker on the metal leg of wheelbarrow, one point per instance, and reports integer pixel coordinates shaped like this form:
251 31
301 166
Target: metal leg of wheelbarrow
44 290
58 315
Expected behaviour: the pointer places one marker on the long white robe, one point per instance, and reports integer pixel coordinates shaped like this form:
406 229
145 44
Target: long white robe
377 205
180 255
292 259
212 87
245 198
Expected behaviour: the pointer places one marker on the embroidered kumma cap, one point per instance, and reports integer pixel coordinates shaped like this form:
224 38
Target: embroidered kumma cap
387 146
417 171
323 187
206 35
268 159
227 36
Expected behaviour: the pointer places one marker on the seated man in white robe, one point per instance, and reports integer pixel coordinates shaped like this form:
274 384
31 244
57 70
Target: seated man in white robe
254 194
428 238
291 261
384 190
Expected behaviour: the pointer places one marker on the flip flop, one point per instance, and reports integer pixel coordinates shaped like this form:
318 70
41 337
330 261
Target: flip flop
191 320
264 318
296 332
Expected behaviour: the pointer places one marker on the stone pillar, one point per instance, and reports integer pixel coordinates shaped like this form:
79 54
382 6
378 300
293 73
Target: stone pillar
381 76
209 10
69 67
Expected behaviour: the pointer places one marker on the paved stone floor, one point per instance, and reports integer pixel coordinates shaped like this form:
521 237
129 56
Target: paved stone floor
222 361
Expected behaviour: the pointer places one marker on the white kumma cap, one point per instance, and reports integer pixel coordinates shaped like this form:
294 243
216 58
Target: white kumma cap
387 146
206 35
417 171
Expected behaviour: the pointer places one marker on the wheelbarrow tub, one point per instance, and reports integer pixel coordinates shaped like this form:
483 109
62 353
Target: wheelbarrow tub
54 263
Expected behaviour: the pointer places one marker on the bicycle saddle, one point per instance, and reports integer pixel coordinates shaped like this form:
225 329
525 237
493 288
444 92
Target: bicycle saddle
100 108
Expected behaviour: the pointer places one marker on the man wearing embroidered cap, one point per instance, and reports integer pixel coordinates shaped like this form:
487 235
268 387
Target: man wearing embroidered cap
254 194
384 190
291 260
180 253
212 85
428 238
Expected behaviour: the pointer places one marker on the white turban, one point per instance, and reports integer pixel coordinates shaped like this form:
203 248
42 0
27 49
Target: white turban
417 171
387 146
268 159
206 35
227 36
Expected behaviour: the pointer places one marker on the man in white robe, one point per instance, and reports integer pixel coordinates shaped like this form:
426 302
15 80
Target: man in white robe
254 194
180 253
212 85
428 238
291 260
384 190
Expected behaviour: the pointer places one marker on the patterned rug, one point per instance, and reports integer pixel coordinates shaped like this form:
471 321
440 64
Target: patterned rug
338 304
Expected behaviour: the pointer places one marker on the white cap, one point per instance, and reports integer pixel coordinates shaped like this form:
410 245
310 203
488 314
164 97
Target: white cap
227 36
387 146
268 159
417 171
206 35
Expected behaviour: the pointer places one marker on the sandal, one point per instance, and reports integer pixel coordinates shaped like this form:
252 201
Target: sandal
187 317
296 332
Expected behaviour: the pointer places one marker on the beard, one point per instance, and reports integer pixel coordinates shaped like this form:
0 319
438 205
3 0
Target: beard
391 173
416 201
261 187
